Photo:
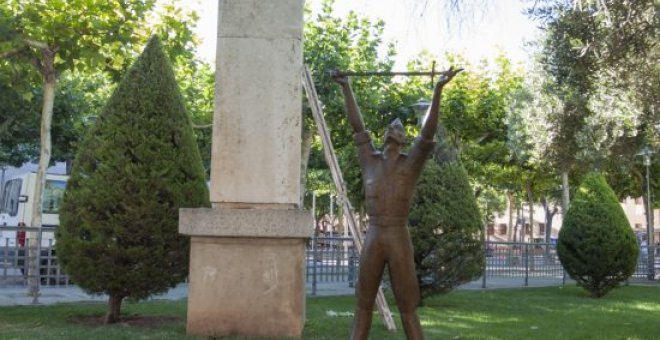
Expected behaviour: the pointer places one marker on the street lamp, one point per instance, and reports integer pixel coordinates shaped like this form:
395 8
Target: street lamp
646 153
421 108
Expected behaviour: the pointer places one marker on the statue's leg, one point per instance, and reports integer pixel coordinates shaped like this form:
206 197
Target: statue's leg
405 285
372 264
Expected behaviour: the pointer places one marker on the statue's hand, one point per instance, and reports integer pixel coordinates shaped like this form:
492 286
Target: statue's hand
339 79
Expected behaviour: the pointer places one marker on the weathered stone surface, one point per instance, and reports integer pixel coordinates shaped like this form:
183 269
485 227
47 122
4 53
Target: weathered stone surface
270 223
247 260
257 121
282 18
247 287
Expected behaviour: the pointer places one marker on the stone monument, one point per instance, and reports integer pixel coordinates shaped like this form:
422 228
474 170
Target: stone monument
247 261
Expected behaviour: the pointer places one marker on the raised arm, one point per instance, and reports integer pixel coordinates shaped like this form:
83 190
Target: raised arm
431 124
352 109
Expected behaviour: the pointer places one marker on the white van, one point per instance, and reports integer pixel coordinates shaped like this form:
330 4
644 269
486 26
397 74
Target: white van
16 209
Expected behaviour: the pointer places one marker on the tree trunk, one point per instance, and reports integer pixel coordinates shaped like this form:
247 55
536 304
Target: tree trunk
48 73
530 198
114 311
510 233
548 226
520 224
565 197
548 219
305 151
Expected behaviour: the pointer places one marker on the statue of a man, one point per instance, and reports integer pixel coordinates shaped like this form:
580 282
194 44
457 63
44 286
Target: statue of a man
389 179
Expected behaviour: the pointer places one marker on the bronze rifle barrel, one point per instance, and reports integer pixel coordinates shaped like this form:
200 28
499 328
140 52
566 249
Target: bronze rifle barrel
382 73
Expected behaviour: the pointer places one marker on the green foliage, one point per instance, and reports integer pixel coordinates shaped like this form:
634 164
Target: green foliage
601 57
139 165
596 246
446 229
197 82
104 35
475 112
102 40
351 43
13 109
81 96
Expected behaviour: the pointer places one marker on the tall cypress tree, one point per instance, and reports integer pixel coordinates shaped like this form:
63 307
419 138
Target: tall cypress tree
596 245
134 169
445 224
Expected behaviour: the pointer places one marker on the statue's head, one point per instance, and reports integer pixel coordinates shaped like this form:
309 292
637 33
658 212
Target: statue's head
395 133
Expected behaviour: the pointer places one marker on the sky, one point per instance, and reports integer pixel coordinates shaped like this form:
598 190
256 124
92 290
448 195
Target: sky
416 25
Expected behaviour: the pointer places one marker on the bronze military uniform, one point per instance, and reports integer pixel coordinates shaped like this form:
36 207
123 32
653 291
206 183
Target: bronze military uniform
388 191
389 179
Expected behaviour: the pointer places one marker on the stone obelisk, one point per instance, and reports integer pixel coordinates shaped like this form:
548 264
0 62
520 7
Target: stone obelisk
247 260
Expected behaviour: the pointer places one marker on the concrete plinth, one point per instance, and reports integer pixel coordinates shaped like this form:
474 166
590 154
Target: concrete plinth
247 271
246 286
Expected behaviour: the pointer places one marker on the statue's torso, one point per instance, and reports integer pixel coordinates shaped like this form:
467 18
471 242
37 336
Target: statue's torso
389 185
389 182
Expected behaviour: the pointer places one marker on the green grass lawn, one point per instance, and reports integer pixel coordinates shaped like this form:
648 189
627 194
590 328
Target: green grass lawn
631 312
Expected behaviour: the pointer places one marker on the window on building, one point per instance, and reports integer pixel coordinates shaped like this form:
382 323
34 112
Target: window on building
541 228
490 229
502 229
638 226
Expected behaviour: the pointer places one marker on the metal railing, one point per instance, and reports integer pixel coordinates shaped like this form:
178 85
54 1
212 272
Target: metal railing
15 258
329 259
522 260
333 259
643 270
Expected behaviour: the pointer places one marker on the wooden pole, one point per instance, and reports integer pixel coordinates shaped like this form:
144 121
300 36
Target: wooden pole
337 177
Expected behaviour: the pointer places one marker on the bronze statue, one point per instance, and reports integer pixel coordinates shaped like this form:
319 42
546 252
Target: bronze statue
389 179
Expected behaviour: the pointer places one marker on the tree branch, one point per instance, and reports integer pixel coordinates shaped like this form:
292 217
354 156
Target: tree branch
36 44
206 126
11 53
5 125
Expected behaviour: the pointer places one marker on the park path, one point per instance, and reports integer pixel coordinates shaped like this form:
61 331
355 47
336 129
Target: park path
16 296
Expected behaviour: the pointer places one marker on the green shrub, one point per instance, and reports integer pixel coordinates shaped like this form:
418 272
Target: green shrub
446 228
596 245
133 170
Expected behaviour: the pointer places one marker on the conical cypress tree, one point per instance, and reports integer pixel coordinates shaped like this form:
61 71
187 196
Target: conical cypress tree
133 171
596 245
445 225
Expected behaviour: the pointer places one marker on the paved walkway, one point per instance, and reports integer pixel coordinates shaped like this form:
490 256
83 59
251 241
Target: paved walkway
14 296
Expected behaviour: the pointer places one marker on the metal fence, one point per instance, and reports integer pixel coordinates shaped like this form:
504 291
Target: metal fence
15 257
642 271
522 260
329 259
333 259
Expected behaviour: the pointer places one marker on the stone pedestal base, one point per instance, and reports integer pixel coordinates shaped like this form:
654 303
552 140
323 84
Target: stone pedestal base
245 285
